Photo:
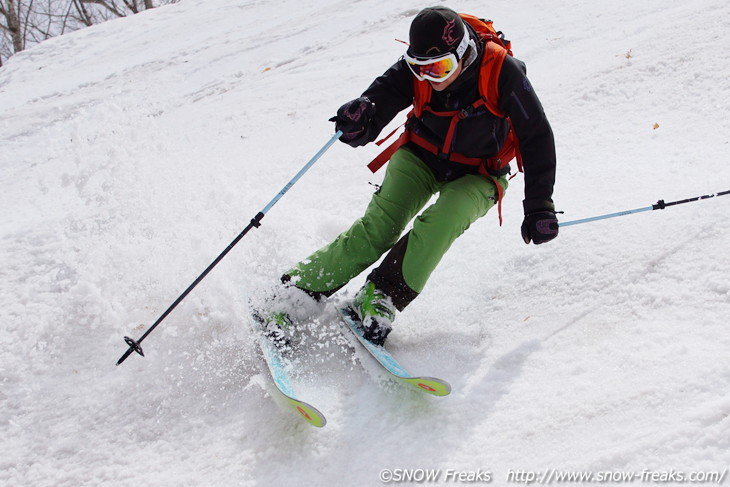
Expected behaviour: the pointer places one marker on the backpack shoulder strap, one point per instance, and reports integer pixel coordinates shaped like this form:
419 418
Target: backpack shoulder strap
421 96
496 49
494 56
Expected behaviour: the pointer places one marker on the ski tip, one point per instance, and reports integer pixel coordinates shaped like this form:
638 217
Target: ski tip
430 385
310 414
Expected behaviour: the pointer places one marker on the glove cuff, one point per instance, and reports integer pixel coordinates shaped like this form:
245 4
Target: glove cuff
531 206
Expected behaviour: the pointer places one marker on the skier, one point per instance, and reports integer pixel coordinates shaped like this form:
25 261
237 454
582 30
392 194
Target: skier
454 145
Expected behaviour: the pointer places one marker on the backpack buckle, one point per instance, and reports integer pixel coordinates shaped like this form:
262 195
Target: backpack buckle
465 112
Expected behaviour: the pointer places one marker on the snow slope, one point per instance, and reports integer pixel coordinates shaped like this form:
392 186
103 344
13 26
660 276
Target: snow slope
133 152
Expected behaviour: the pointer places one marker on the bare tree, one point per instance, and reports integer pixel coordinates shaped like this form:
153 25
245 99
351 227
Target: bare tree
121 8
83 15
12 14
27 22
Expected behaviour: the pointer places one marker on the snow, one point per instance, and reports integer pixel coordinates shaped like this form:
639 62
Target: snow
134 151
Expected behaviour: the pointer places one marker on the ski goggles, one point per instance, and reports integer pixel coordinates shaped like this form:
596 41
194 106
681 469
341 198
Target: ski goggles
437 69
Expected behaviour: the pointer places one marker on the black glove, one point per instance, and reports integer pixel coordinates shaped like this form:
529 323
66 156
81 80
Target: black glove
353 118
539 227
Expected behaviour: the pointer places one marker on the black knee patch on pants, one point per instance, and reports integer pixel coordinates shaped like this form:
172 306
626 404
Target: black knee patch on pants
388 276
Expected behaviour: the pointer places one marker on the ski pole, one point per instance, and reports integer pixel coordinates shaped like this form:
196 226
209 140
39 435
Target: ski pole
659 205
134 345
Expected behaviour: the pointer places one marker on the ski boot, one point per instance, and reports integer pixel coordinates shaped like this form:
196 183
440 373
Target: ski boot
376 312
278 328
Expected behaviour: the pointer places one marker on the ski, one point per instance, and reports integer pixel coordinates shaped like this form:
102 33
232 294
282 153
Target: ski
431 385
277 368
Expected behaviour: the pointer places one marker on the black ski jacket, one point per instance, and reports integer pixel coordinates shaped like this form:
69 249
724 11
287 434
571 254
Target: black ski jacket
392 92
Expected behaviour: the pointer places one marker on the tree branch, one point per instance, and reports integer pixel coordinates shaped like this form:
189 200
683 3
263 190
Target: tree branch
112 8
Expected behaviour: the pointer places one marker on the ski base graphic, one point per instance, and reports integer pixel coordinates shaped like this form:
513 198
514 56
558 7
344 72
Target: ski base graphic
277 365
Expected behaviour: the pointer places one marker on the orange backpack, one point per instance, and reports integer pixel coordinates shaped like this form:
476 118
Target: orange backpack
495 51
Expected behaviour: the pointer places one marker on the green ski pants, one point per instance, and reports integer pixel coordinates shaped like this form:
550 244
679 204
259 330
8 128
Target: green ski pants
407 187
